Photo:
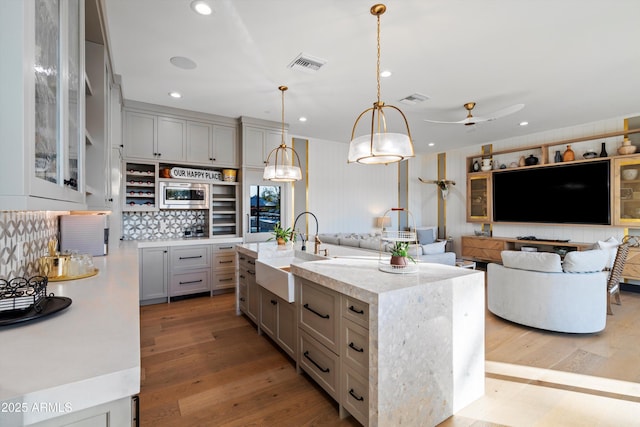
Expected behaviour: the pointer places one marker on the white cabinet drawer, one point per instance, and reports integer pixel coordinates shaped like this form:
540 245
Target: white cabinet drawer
355 394
224 261
355 342
189 257
189 282
223 280
319 313
320 363
355 310
220 248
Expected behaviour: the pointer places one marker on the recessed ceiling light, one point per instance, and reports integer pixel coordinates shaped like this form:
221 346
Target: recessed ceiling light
201 7
175 94
524 123
431 144
183 62
385 73
302 119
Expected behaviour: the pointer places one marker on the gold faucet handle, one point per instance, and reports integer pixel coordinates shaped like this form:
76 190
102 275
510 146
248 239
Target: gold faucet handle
317 240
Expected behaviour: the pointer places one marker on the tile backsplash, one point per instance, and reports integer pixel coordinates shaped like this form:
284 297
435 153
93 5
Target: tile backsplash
31 230
168 224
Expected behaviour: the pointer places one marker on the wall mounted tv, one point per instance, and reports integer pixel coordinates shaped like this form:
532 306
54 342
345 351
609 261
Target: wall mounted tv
577 193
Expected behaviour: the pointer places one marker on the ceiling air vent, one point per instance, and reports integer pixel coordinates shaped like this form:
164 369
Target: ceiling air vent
307 63
414 99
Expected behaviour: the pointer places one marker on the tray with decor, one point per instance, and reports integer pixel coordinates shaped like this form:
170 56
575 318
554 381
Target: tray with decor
23 299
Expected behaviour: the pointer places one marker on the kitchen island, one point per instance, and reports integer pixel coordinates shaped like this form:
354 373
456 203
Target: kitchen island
82 363
392 349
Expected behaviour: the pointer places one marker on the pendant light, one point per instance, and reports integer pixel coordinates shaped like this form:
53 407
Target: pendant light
380 146
283 168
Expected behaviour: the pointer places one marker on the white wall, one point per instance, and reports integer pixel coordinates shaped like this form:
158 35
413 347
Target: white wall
456 170
347 197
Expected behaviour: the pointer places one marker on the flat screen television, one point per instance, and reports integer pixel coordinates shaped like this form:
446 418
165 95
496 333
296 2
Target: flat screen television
577 193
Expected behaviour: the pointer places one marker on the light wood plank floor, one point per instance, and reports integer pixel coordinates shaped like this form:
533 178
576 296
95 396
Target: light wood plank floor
204 366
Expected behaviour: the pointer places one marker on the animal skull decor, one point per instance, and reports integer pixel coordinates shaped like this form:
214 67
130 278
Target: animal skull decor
443 185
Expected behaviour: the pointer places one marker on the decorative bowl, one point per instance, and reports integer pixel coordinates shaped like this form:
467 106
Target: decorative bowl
626 149
590 154
629 174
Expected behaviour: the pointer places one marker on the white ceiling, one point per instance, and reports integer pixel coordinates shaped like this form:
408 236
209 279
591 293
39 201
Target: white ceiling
569 61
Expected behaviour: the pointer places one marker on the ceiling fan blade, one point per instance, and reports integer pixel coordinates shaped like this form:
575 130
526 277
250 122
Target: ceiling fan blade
450 123
500 113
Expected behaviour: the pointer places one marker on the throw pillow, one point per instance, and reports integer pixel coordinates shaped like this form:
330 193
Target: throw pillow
611 247
353 240
370 243
329 239
546 262
425 235
585 261
434 248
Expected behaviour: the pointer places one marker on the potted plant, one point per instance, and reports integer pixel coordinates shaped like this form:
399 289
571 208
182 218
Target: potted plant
400 254
282 235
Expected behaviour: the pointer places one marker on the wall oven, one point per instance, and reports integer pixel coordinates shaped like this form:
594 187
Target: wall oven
183 195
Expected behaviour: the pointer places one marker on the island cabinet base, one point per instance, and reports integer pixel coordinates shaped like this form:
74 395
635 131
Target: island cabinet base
392 349
121 412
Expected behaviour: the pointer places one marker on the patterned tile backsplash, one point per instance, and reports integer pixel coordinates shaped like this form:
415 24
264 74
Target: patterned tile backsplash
162 224
30 229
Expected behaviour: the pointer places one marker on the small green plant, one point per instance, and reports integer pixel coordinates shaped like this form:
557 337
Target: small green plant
282 233
401 249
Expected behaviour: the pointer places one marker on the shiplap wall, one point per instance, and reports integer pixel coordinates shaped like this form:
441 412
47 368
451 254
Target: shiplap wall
456 169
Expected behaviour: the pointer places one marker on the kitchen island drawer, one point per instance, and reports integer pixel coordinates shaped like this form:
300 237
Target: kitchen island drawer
356 311
320 363
189 282
355 346
189 257
355 394
319 313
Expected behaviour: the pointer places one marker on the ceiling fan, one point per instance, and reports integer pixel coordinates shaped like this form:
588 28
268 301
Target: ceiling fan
472 120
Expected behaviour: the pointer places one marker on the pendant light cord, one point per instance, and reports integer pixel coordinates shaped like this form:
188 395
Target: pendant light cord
378 61
282 89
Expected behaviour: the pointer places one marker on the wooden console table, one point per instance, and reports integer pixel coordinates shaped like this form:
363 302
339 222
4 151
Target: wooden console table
488 249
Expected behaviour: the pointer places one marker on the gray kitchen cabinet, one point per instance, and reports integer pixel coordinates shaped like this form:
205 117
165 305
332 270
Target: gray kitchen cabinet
190 270
278 320
140 135
153 137
153 275
223 266
249 294
172 136
259 138
211 144
42 85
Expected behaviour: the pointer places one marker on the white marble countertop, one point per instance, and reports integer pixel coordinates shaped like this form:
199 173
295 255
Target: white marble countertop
185 242
83 356
360 277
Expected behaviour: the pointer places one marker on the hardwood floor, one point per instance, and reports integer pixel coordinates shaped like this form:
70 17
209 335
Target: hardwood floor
202 365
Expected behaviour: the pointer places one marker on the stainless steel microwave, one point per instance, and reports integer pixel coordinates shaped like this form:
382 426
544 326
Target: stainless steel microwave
184 195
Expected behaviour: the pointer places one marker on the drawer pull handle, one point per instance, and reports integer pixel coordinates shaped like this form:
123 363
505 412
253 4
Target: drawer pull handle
242 299
251 272
225 262
242 277
324 316
325 370
228 279
191 281
227 247
353 346
355 396
274 302
355 310
251 262
242 258
190 257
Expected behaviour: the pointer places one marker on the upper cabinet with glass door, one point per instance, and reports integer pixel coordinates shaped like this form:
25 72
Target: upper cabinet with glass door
44 165
479 197
626 191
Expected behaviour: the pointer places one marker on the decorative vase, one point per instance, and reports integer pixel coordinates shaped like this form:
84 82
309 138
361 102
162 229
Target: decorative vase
603 151
568 155
626 147
475 167
531 160
281 241
522 161
398 261
558 157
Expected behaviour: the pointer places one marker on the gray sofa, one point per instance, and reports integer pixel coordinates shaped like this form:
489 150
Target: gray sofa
428 248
